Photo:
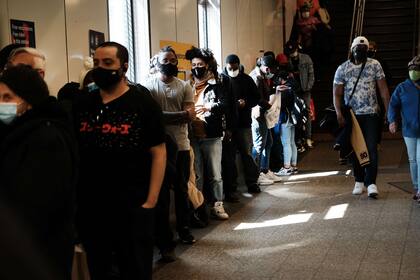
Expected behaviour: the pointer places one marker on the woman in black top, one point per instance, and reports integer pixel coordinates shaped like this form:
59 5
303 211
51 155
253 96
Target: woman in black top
37 175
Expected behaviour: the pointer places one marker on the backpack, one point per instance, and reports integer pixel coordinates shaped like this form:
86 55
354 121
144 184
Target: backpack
299 113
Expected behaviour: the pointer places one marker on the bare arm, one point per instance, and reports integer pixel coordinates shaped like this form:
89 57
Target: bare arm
338 92
156 174
190 109
383 90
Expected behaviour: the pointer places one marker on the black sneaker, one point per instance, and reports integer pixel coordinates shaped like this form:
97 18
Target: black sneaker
254 189
195 222
231 197
168 256
186 237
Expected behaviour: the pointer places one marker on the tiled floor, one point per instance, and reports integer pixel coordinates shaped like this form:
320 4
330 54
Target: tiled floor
311 227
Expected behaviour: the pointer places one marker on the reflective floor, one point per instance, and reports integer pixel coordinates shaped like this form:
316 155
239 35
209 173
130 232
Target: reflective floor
310 226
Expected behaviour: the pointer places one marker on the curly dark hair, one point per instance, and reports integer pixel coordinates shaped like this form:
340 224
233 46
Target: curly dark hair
206 55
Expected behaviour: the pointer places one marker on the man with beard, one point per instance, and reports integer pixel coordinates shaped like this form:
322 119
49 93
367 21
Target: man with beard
356 81
175 98
123 158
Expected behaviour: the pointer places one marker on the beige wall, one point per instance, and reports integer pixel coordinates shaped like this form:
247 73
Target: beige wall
61 32
173 20
250 27
61 26
82 15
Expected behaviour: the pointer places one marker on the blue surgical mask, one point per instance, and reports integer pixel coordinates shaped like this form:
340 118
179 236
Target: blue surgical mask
8 112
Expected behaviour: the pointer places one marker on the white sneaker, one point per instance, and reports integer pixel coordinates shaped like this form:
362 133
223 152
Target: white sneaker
284 172
309 143
270 175
263 180
358 188
372 190
219 211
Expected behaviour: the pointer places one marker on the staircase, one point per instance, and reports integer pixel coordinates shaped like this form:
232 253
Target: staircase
392 24
341 13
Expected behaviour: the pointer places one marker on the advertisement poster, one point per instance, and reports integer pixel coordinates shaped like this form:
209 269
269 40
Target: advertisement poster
95 39
23 32
180 49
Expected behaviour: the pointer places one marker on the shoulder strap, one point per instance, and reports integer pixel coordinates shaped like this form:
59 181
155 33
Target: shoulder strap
355 85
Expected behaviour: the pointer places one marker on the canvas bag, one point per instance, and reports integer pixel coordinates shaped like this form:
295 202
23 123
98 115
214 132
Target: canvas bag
272 115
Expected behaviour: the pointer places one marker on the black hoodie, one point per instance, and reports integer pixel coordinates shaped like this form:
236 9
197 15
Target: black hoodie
243 87
38 171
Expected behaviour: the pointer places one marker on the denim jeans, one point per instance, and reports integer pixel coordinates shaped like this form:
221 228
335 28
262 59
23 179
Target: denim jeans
369 125
413 151
208 161
241 142
262 140
289 145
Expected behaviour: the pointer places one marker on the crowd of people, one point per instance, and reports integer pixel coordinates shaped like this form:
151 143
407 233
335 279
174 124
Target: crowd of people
96 166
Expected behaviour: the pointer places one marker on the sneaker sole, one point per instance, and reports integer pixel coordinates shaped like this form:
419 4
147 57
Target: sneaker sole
265 184
373 195
219 218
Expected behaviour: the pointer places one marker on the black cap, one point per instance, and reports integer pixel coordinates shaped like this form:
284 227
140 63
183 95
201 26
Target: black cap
26 83
268 61
233 58
414 64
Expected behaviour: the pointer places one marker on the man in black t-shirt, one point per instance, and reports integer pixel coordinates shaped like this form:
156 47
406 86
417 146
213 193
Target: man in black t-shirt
123 159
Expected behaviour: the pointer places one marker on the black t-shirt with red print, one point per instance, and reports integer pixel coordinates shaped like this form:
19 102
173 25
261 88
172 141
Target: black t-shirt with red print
114 141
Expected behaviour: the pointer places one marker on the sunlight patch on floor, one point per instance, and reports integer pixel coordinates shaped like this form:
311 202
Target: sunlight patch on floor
287 220
336 211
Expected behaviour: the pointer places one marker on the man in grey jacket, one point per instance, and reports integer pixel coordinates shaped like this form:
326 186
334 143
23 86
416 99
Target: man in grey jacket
303 71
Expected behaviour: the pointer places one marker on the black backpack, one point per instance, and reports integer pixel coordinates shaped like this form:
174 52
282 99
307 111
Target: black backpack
299 113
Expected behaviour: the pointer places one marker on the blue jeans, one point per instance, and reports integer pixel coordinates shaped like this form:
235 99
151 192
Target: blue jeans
262 140
369 125
208 161
413 151
289 144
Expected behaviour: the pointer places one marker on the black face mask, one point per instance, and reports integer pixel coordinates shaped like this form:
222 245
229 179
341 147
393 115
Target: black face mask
360 55
168 69
105 79
283 74
371 53
199 72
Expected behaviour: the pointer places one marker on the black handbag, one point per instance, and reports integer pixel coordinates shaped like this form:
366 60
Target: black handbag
329 120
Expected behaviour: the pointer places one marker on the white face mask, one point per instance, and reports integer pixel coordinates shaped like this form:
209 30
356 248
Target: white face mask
234 73
269 75
8 112
294 54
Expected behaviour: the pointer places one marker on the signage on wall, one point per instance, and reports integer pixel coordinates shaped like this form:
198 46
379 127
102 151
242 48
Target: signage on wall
180 49
95 39
23 32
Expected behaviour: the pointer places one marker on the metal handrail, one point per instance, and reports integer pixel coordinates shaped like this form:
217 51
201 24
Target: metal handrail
416 41
358 18
352 22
